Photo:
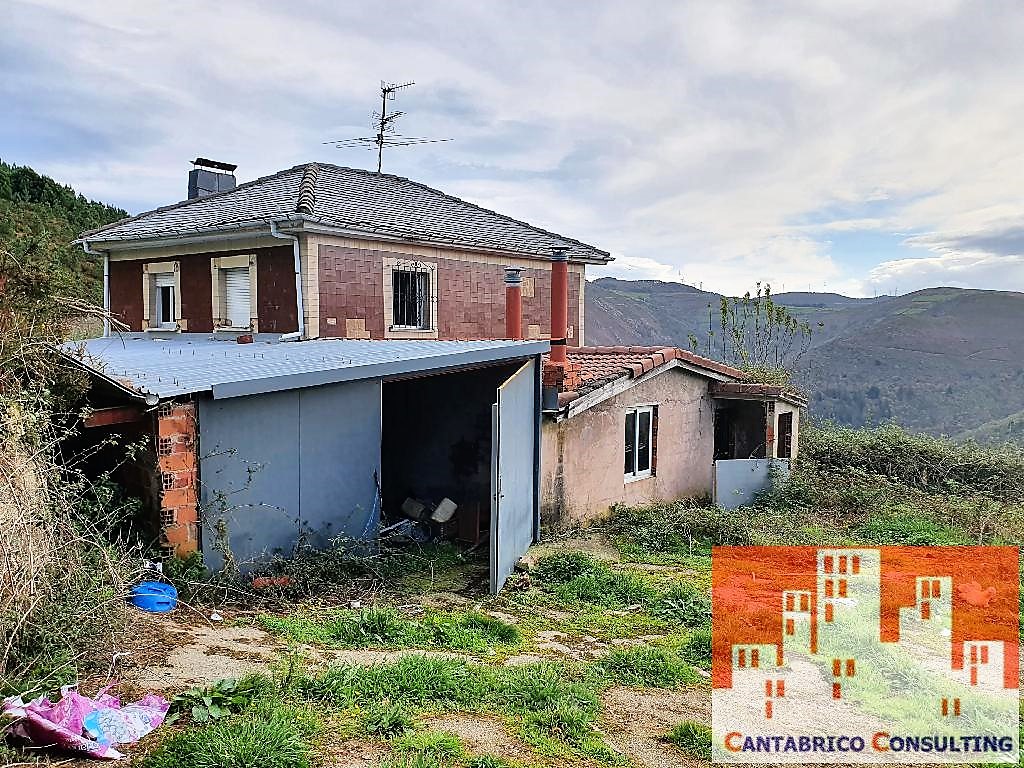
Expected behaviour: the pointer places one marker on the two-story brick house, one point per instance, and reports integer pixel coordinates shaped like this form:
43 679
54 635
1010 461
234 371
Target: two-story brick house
330 252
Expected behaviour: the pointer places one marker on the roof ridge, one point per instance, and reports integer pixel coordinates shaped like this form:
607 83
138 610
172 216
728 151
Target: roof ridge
190 201
443 194
307 190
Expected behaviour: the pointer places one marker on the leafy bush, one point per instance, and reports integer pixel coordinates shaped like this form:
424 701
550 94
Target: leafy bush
648 666
268 735
693 738
922 462
685 603
676 530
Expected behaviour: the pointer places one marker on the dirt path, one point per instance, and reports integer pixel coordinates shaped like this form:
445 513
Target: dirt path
205 653
633 722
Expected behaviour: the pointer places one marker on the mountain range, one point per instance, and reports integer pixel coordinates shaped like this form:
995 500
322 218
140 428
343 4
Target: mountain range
941 360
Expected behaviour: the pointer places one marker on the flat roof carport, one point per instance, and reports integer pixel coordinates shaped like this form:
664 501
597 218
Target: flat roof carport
289 434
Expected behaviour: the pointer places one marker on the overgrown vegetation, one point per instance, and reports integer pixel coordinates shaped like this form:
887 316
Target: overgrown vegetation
385 627
848 486
66 569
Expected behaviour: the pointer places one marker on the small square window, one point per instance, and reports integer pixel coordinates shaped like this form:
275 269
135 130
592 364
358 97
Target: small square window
639 448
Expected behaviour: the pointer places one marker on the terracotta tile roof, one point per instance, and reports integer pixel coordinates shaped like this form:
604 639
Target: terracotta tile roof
603 365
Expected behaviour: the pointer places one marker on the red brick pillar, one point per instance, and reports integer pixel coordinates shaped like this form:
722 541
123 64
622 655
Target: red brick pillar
179 477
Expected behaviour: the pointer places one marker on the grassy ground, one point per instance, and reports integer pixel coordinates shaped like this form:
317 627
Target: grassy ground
598 656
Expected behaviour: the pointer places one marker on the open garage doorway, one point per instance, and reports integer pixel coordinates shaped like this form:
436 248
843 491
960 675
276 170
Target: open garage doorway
468 438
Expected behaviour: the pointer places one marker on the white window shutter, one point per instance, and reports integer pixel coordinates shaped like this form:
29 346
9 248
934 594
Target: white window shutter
236 297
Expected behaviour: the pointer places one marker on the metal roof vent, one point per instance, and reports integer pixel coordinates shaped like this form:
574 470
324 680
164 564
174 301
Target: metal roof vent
208 177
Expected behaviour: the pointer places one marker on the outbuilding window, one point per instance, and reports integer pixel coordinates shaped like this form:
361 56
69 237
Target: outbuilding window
639 442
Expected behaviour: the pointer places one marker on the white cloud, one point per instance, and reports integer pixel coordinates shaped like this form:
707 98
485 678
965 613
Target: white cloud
693 140
958 270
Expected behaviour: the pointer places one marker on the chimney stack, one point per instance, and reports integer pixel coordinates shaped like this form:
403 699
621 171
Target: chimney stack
559 304
208 177
513 303
559 375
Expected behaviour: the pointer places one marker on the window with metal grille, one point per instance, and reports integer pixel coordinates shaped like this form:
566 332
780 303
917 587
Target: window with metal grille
638 436
410 295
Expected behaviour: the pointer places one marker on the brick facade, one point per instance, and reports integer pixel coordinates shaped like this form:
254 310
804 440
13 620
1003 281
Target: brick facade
179 477
275 289
470 295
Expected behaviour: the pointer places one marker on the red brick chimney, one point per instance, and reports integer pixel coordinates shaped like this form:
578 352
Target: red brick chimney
513 303
559 374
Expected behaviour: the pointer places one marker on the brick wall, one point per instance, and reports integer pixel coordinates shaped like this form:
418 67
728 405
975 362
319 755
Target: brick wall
275 289
470 300
179 481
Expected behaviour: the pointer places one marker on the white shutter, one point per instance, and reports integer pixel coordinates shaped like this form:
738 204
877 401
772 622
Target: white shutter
236 297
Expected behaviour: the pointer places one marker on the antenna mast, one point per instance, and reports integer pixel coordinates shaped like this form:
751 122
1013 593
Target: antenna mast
384 125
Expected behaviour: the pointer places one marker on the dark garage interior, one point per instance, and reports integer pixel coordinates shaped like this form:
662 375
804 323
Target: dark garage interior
436 444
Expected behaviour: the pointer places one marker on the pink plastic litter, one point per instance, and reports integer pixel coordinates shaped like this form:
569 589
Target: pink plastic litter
80 724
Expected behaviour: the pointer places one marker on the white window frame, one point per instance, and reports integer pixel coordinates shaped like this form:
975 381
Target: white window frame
150 302
218 265
392 331
636 410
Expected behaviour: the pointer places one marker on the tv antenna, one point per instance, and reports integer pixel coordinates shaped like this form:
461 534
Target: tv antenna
384 124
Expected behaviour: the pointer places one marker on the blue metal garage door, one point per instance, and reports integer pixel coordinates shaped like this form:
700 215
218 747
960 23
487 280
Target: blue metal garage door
514 426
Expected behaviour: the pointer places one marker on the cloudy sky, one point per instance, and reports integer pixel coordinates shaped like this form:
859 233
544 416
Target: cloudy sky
860 147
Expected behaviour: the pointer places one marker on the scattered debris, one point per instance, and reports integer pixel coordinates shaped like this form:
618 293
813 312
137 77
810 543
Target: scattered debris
77 723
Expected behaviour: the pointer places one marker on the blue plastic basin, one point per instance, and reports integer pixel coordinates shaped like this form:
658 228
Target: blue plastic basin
154 596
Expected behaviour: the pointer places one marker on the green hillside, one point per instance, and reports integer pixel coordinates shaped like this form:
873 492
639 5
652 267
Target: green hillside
38 220
942 360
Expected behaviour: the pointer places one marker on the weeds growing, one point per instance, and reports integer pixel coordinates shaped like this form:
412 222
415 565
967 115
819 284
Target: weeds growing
386 627
270 734
693 738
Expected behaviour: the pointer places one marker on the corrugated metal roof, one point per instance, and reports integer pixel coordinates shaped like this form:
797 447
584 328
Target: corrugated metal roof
189 363
353 200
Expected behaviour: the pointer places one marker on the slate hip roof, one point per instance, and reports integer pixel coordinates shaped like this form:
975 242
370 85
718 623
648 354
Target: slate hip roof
351 201
189 363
